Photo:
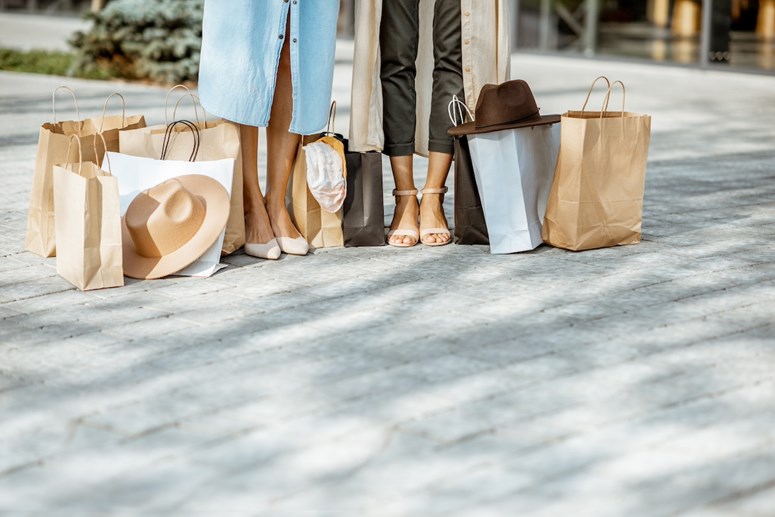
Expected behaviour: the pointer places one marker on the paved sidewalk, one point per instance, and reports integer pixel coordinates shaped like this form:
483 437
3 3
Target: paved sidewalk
39 31
634 381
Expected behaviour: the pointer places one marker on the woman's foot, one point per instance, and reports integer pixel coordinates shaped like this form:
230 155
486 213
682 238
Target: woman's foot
259 237
288 236
404 231
434 229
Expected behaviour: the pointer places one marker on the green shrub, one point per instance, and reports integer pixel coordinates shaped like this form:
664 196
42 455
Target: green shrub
35 61
43 62
156 40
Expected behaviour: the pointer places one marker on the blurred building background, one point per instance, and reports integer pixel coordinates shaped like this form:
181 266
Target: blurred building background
736 34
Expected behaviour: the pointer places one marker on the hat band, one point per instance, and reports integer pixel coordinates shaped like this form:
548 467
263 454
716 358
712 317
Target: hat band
517 121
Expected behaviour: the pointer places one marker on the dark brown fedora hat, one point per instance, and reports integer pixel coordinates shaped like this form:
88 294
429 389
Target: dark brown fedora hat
509 105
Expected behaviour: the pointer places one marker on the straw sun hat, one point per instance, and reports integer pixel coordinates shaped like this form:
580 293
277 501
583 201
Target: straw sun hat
171 225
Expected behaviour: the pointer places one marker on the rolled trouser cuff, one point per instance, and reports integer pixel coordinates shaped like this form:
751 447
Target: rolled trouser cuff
399 149
441 146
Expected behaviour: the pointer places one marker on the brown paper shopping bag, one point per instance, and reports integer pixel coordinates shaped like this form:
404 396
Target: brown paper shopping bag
321 229
219 139
53 145
596 199
88 225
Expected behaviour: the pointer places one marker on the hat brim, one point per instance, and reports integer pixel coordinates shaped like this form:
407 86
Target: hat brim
217 206
469 128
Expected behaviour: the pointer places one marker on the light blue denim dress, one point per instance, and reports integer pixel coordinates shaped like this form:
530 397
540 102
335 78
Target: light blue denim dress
241 44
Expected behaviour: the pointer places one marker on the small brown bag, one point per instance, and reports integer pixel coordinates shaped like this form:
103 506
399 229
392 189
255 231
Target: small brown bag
54 144
88 224
596 199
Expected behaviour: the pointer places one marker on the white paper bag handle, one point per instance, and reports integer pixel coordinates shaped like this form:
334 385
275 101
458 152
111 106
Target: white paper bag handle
105 109
455 108
604 108
54 102
190 94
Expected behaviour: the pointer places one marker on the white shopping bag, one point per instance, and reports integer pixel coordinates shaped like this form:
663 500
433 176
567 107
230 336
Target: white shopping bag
514 169
136 174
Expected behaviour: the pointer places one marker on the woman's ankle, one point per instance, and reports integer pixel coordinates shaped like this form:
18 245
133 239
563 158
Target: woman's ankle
275 204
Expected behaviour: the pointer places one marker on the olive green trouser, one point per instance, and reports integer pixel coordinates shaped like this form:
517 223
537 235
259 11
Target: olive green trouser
399 35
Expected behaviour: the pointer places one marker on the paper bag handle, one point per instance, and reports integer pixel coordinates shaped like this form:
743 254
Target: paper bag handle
195 99
624 94
54 102
105 109
331 127
189 93
455 108
105 155
168 139
80 152
607 95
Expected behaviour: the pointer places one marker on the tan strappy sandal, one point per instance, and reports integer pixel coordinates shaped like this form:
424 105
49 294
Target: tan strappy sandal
431 231
400 232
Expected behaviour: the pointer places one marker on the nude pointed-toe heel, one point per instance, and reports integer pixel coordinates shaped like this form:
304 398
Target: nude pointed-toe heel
297 246
270 251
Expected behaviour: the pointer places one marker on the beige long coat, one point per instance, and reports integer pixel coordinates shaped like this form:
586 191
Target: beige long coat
486 60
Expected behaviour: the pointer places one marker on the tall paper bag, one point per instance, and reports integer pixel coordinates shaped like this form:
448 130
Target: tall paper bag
88 226
218 140
54 144
597 194
321 229
363 219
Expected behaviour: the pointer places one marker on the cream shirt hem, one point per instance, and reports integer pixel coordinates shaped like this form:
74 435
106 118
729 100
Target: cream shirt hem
486 60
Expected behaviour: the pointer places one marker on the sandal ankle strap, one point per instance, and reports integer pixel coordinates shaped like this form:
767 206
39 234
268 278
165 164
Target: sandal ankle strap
442 190
401 193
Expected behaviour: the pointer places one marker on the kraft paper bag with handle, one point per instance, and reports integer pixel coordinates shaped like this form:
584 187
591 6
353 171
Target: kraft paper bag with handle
597 194
136 173
53 146
88 225
219 139
321 229
470 225
111 126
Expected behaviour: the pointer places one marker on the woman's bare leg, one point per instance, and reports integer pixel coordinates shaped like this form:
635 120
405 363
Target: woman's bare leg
281 148
431 208
258 229
407 210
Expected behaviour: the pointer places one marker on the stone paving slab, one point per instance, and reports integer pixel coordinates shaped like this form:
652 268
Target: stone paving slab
636 381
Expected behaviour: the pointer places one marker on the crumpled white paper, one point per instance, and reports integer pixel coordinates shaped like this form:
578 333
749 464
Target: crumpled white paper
325 176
